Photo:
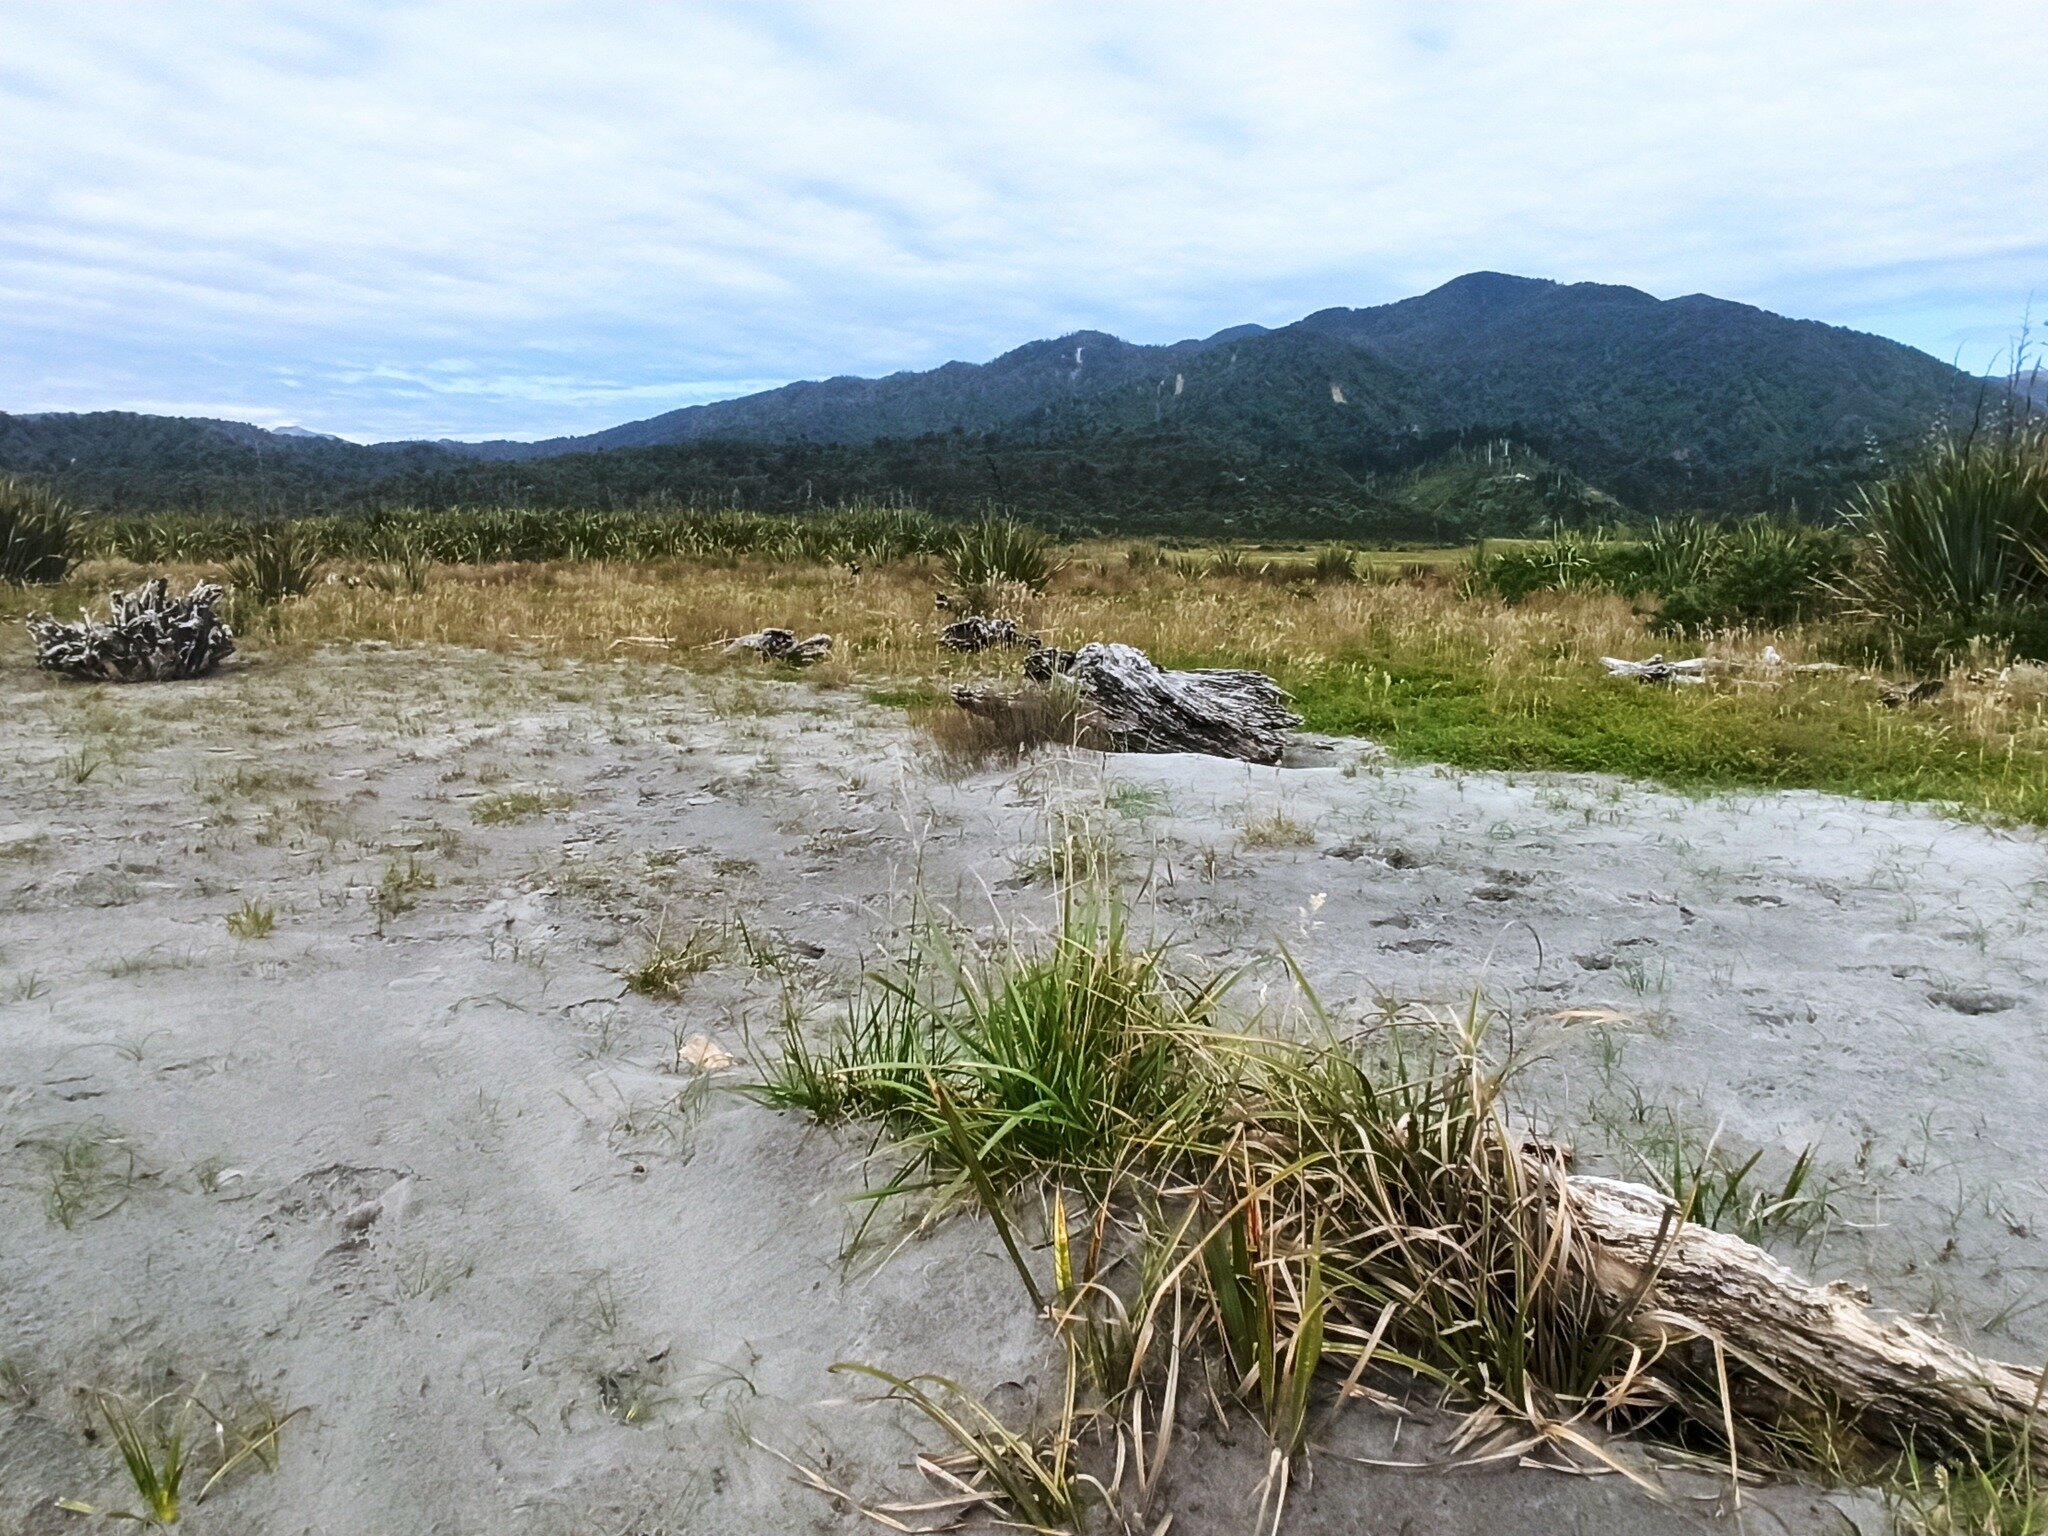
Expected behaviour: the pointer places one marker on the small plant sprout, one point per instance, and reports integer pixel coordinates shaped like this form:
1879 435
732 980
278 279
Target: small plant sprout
397 891
159 1451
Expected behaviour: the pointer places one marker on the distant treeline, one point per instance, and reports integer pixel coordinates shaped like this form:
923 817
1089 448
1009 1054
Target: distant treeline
1450 487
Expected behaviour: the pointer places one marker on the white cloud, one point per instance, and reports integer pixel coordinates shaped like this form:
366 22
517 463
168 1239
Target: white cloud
608 209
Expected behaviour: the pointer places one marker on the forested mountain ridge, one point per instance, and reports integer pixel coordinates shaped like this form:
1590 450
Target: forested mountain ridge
1693 401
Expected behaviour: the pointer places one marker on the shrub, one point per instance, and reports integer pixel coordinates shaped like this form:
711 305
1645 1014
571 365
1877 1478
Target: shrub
1335 562
1759 572
281 560
1701 576
983 557
1959 533
38 534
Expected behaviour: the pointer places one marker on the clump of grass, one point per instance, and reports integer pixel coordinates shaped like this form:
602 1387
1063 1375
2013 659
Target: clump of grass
252 920
38 534
404 558
1730 1194
279 561
88 1171
1277 829
1038 1483
1304 1206
1959 536
1033 1059
1992 1493
668 968
1334 562
159 1451
398 889
983 558
1006 730
516 805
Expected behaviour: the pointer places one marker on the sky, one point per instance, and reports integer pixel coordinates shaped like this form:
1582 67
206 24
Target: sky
514 219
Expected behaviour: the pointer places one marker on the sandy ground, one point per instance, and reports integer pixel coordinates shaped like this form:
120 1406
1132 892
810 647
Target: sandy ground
418 1164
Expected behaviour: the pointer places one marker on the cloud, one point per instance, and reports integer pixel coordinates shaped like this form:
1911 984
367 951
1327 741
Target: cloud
603 208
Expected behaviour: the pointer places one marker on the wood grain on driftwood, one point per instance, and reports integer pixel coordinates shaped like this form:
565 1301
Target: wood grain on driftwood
149 637
782 645
1810 1342
1137 706
977 633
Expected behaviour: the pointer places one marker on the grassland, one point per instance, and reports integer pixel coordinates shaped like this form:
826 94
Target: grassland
1412 654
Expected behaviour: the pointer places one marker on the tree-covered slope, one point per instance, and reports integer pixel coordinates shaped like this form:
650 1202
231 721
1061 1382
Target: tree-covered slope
1690 402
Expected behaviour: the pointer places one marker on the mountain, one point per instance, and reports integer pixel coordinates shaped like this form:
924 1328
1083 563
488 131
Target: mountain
1693 399
1686 402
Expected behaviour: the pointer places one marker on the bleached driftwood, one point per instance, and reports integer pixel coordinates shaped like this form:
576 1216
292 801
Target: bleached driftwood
1697 669
1136 706
782 645
1658 670
149 637
978 633
1782 1333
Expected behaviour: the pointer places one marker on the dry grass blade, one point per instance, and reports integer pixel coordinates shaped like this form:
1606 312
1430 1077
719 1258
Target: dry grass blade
1037 1483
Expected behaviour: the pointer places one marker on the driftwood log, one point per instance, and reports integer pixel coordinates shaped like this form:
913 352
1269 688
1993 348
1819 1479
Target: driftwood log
977 633
1658 670
782 645
1697 669
1134 705
1786 1335
149 637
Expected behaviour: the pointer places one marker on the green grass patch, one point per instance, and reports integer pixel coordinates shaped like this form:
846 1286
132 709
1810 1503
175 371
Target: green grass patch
1834 737
907 696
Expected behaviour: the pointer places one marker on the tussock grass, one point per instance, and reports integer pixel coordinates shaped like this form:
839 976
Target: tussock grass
995 555
88 1172
1960 532
1285 1213
397 890
38 534
667 968
279 561
1030 720
1276 829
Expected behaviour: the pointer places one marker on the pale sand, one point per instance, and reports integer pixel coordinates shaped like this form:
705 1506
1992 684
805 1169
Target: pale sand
437 1178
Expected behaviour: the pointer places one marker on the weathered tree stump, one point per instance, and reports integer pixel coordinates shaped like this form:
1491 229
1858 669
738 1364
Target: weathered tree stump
782 645
149 637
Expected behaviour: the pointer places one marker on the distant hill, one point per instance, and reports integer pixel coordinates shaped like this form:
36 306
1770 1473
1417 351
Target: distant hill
1664 404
